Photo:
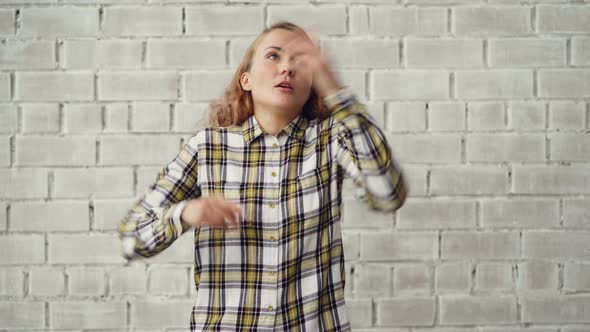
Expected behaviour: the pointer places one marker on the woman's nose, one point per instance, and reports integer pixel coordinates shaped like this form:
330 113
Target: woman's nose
288 65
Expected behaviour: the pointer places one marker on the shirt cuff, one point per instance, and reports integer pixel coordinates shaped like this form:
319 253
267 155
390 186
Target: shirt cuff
344 96
176 217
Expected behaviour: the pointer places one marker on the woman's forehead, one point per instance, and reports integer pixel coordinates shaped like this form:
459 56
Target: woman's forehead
276 38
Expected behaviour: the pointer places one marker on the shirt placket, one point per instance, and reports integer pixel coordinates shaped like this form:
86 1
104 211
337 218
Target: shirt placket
271 212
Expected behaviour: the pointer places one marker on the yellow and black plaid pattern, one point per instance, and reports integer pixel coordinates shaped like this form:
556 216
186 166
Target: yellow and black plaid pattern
284 268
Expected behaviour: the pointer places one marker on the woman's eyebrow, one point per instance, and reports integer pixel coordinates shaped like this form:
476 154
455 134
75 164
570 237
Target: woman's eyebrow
278 48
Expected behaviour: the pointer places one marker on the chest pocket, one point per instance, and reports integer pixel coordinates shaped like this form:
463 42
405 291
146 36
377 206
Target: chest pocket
311 192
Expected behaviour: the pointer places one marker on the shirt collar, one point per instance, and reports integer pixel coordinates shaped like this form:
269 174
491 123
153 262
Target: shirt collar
296 128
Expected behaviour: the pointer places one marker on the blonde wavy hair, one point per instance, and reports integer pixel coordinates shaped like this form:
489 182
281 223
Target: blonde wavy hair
236 104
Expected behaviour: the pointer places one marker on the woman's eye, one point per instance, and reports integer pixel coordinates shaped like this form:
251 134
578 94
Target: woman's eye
271 54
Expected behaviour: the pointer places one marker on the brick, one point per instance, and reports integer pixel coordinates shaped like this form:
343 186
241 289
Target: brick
142 21
108 212
412 279
556 309
446 116
356 79
5 86
426 148
47 281
526 52
354 53
526 115
54 86
168 280
519 213
567 115
84 249
550 180
96 182
401 21
206 85
569 147
493 276
436 214
88 315
519 329
237 50
505 148
564 83
82 118
372 280
452 277
497 84
3 216
22 249
480 245
359 312
359 20
406 117
537 275
399 245
23 183
415 177
49 216
86 281
414 311
128 150
90 54
58 22
576 276
27 55
482 310
190 117
351 244
326 19
576 212
234 20
4 152
182 251
160 315
580 51
151 117
7 22
468 180
19 315
409 84
454 53
354 216
504 20
146 176
8 118
563 19
117 117
486 115
144 85
40 118
55 151
185 53
11 282
130 280
556 245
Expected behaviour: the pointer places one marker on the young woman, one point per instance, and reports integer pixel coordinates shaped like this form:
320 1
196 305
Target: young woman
262 188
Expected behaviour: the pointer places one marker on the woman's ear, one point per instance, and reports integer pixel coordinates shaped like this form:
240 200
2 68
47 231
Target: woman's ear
245 81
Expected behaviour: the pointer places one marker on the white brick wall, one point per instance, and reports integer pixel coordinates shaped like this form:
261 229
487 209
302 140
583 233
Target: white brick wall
486 105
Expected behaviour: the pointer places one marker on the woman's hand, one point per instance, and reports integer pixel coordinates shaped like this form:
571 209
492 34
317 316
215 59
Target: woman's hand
307 52
213 211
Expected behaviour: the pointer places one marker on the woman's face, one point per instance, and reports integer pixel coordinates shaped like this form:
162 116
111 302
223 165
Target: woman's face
272 64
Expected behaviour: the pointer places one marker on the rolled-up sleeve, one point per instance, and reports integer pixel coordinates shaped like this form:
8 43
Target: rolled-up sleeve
364 153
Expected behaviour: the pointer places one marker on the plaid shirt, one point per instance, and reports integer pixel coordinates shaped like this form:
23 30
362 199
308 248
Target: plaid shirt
284 268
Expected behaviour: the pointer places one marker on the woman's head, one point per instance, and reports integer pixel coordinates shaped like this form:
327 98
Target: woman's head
254 82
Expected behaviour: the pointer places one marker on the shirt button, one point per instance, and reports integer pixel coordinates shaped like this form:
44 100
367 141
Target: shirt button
273 173
270 308
272 205
275 145
272 273
272 238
